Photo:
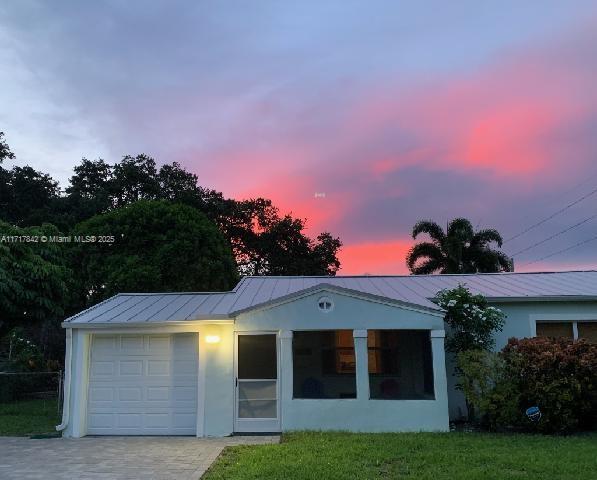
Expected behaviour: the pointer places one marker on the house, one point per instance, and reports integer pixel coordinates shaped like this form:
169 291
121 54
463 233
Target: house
361 353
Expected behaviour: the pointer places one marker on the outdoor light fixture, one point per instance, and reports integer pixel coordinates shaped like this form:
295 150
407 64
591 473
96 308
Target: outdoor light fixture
212 338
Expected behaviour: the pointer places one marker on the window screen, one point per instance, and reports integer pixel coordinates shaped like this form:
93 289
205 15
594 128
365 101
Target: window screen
555 329
588 331
324 364
400 364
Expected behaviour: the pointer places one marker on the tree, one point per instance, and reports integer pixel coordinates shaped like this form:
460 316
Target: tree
157 246
458 250
34 277
135 178
27 196
266 244
5 152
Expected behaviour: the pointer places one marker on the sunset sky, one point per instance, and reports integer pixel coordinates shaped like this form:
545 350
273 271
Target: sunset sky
361 116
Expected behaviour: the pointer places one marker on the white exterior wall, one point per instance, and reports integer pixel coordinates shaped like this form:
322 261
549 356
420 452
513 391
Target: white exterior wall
520 323
215 414
360 414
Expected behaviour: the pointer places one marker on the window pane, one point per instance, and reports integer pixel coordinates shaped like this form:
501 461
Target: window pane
588 331
324 364
555 329
249 390
400 364
257 408
257 357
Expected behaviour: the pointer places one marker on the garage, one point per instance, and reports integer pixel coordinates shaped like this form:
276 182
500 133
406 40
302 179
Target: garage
143 385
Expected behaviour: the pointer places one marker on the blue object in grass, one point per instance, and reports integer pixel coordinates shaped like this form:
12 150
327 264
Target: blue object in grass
533 414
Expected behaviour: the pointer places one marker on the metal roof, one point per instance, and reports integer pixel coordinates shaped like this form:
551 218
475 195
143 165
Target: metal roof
417 290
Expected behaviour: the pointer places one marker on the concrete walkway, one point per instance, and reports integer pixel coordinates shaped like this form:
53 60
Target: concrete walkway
115 458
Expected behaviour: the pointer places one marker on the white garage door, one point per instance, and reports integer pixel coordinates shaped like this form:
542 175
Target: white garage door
143 385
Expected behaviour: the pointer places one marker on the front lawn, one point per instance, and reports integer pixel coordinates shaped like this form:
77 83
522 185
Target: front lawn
28 417
433 456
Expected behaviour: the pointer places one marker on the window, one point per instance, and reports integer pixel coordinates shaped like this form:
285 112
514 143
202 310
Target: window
572 330
555 329
588 331
325 304
400 364
324 364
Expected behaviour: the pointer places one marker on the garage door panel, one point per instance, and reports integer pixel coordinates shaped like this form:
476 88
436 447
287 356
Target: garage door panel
130 368
159 345
132 343
143 385
158 367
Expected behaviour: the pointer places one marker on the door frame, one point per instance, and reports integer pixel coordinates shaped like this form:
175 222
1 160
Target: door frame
257 425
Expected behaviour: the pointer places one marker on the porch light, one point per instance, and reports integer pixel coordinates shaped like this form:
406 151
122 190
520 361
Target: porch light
212 338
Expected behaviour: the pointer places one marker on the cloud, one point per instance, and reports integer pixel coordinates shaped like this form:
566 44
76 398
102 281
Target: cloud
394 114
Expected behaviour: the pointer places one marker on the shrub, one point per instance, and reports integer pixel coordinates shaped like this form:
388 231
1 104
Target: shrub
492 398
471 320
557 375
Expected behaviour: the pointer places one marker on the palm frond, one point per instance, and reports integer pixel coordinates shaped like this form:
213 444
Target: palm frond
424 252
488 235
460 228
430 228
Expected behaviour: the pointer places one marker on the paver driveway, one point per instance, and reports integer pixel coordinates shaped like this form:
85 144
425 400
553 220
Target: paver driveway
114 458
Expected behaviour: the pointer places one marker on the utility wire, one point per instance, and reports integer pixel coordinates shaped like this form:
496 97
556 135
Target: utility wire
582 222
541 222
592 239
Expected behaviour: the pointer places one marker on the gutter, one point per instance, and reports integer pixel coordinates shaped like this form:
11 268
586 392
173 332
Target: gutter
67 381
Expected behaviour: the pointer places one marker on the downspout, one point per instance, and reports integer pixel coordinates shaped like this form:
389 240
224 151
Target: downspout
67 374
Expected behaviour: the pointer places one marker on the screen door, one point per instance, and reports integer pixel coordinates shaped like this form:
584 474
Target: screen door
257 387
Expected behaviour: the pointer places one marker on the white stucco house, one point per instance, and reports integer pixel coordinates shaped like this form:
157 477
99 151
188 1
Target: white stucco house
360 353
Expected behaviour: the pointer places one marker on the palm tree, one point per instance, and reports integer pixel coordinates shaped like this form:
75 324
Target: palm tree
458 250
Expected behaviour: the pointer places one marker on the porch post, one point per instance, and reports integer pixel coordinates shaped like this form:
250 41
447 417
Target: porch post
362 362
285 380
440 384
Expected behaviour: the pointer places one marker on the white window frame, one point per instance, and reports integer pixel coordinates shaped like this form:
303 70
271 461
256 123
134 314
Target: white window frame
561 318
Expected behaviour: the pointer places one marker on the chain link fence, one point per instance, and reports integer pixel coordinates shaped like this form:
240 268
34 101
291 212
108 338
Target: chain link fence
30 402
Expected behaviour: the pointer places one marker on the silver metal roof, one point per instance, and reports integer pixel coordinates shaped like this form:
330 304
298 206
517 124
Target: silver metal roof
252 292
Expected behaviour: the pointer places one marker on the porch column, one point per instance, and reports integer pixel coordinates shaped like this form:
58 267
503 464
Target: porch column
440 384
286 380
362 362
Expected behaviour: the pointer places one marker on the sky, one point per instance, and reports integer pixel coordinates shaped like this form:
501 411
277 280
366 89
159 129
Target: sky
361 116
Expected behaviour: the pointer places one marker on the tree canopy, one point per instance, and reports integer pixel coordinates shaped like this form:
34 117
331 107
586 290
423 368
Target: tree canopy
460 249
34 277
263 242
151 246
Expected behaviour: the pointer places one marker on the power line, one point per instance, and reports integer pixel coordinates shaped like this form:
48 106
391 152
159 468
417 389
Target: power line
541 222
592 239
582 222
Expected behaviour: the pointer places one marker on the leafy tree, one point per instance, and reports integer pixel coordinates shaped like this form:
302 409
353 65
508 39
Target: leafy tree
266 244
457 250
262 241
34 277
5 152
158 246
135 178
471 320
27 196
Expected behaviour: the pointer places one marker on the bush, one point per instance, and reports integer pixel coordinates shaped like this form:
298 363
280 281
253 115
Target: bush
492 398
471 320
557 375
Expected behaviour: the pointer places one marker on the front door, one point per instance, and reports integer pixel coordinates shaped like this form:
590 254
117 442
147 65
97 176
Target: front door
257 387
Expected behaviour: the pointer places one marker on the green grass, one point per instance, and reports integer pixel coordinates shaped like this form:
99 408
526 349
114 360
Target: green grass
431 456
28 417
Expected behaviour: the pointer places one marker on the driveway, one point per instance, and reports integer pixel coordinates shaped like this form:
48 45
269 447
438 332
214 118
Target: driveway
114 458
